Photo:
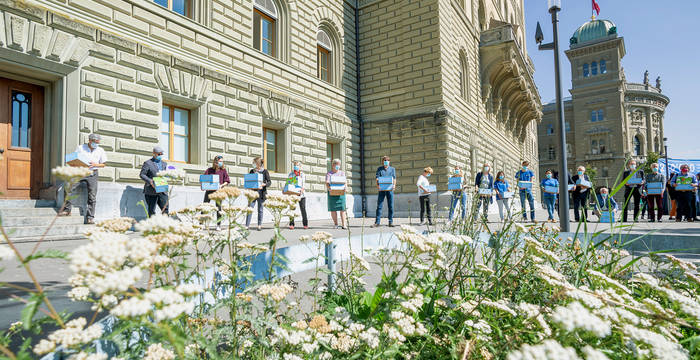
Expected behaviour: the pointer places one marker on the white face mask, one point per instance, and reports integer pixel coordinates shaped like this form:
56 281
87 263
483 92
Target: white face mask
94 145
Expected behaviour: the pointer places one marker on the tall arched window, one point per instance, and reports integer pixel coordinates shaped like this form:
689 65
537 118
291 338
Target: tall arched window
324 50
657 145
600 115
594 68
594 116
551 153
637 146
603 67
265 27
594 147
463 76
585 70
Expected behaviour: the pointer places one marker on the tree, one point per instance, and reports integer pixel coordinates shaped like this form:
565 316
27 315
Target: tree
652 158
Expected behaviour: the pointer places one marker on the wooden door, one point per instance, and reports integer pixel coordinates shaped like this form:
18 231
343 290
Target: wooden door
21 139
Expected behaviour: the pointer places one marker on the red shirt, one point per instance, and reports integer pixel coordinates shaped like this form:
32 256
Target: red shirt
223 175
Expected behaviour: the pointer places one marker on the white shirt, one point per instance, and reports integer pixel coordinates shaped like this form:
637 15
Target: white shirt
422 181
301 181
98 155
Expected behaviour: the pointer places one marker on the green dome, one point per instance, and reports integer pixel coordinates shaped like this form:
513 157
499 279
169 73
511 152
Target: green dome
593 30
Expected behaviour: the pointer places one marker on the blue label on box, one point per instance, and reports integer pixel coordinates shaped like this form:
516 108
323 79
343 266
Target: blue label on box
655 191
606 217
684 187
456 180
385 180
525 184
551 189
655 185
161 188
634 181
253 177
207 186
386 187
252 185
209 178
432 188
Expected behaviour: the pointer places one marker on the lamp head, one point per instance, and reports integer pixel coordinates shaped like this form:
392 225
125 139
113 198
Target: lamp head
539 36
553 4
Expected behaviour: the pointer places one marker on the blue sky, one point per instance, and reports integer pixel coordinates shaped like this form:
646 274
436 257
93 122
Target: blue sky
661 36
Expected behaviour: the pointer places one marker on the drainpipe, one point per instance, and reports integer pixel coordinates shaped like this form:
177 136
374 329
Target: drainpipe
363 193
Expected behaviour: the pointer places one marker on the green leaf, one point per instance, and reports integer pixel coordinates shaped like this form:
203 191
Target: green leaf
48 254
30 310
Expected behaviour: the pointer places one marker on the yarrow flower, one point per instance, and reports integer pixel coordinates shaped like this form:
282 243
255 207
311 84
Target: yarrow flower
576 316
276 292
159 352
118 225
322 237
173 174
6 254
548 350
71 174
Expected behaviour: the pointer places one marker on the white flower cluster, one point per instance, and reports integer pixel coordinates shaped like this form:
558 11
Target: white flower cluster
6 254
276 292
70 173
501 304
575 316
118 225
548 350
158 352
173 174
86 356
605 279
162 224
357 259
161 303
72 336
537 249
660 346
322 237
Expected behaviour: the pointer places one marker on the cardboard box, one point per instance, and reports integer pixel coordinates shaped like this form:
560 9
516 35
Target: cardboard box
77 159
572 187
432 188
684 187
607 217
386 183
525 185
655 188
291 189
209 186
485 192
635 181
584 183
455 183
253 181
551 189
508 194
209 178
338 179
161 184
336 189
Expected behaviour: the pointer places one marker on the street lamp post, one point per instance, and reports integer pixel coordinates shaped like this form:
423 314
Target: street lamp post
668 198
554 8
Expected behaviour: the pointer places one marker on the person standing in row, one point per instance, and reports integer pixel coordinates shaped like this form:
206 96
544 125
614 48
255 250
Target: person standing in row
385 171
684 197
501 187
605 204
672 194
217 168
484 181
632 191
336 203
458 195
655 199
98 158
149 170
580 194
258 167
424 195
550 198
298 178
526 193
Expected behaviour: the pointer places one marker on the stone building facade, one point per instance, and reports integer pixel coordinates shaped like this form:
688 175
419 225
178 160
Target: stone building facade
441 83
608 120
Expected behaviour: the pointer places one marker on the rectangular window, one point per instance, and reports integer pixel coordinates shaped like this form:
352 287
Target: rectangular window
182 7
585 70
175 133
324 64
263 33
594 68
270 144
21 119
603 67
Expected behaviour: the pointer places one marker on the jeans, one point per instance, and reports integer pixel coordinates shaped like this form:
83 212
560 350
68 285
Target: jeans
161 199
389 195
527 194
304 218
631 197
91 184
260 211
581 200
424 201
684 199
503 203
458 196
651 200
549 200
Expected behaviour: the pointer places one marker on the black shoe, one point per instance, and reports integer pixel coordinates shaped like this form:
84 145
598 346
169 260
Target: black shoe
391 225
651 220
659 220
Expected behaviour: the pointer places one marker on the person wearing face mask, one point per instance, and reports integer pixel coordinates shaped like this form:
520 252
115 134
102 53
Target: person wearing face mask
424 195
484 181
336 203
684 196
259 167
502 187
580 194
458 195
655 199
98 158
550 198
217 168
605 203
149 170
632 191
673 195
526 175
385 171
298 178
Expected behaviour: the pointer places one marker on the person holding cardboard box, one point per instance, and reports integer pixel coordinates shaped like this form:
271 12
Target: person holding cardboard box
685 186
583 185
503 194
386 183
524 177
484 189
149 174
550 189
456 185
96 158
633 188
217 168
335 182
259 168
424 195
654 184
296 181
605 206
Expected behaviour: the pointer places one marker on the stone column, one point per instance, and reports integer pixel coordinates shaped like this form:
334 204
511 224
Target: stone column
650 138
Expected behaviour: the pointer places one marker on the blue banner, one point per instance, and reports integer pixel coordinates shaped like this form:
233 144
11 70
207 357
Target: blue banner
674 165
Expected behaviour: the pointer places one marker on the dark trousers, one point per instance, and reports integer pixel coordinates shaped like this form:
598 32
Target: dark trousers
684 199
424 201
631 197
581 200
260 202
161 199
91 184
655 200
304 218
218 206
389 195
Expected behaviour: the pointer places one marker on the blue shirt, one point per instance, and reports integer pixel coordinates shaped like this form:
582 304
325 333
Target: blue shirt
501 186
384 172
526 175
550 182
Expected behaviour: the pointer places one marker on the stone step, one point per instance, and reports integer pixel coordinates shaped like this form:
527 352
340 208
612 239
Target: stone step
26 203
47 238
42 221
33 212
36 231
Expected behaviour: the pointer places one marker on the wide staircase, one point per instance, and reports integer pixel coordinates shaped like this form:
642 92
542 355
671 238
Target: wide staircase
29 220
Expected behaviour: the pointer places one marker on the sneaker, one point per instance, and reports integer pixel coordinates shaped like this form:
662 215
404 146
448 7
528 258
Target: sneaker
218 228
659 220
431 223
259 227
338 227
291 227
305 227
342 227
422 222
391 225
90 221
64 213
375 225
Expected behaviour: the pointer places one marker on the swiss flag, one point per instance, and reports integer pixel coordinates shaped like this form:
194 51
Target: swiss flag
596 7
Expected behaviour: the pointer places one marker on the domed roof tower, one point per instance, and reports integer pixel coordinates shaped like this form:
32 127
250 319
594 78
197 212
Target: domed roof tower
592 31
